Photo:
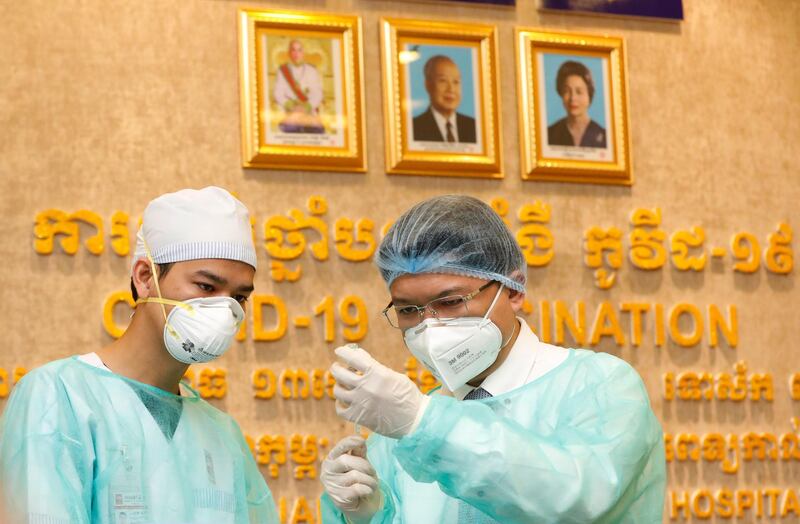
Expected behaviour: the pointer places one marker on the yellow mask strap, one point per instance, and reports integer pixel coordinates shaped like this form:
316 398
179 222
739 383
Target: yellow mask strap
161 300
168 302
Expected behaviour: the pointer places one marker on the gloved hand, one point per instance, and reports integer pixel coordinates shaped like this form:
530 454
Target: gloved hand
373 395
351 481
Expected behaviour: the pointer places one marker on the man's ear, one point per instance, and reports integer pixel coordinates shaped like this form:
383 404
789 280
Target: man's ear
142 277
516 299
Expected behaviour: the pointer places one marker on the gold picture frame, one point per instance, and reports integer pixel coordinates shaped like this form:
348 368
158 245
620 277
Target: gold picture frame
301 82
441 101
573 107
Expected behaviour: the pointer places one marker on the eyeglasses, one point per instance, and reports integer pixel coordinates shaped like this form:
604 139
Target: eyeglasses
452 306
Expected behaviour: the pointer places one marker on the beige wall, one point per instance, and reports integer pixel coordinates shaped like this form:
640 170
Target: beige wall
104 105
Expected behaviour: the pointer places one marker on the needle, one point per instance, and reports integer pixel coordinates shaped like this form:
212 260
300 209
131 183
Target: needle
353 345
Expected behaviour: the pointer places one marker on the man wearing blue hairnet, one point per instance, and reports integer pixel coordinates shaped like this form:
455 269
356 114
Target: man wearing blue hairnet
113 436
520 432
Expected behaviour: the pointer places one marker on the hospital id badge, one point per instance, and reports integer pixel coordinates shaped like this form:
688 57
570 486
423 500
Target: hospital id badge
128 505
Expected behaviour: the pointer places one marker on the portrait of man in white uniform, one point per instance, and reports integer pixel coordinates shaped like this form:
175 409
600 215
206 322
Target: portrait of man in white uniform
298 91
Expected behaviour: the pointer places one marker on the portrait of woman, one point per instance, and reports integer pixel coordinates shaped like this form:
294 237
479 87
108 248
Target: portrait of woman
574 107
575 87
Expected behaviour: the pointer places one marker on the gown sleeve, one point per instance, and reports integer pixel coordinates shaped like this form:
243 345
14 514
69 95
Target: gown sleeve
260 504
591 466
45 470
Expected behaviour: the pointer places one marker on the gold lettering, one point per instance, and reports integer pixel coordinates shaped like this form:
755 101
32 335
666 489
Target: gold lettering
703 504
678 504
118 297
565 319
718 326
636 309
299 381
725 503
790 503
264 383
277 332
779 257
606 324
744 500
676 334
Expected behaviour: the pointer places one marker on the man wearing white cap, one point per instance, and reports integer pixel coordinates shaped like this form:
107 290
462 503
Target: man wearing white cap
114 435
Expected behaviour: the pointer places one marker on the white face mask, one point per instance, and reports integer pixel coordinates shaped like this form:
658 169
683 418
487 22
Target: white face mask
204 330
197 330
456 350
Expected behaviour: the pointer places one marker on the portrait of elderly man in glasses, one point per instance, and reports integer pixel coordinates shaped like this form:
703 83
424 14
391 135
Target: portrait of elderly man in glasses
442 122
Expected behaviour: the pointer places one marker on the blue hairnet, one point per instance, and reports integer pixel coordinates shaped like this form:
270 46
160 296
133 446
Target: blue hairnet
453 234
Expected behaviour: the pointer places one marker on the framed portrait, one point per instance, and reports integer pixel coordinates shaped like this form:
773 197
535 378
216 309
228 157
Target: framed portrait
573 107
440 98
301 83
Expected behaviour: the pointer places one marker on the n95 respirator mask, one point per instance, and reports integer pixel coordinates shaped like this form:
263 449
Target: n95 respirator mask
456 350
197 330
200 330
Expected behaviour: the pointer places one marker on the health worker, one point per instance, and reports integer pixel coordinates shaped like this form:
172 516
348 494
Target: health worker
115 435
520 431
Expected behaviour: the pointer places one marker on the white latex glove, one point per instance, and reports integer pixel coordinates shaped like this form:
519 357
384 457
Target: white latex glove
350 480
374 396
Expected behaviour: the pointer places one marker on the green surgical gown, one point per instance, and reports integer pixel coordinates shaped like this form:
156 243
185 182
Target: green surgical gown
79 444
579 444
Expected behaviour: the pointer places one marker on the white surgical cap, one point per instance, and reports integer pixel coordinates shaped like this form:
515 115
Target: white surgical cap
193 224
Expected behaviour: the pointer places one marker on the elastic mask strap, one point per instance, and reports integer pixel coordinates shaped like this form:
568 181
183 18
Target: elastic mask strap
161 300
496 298
512 336
168 302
